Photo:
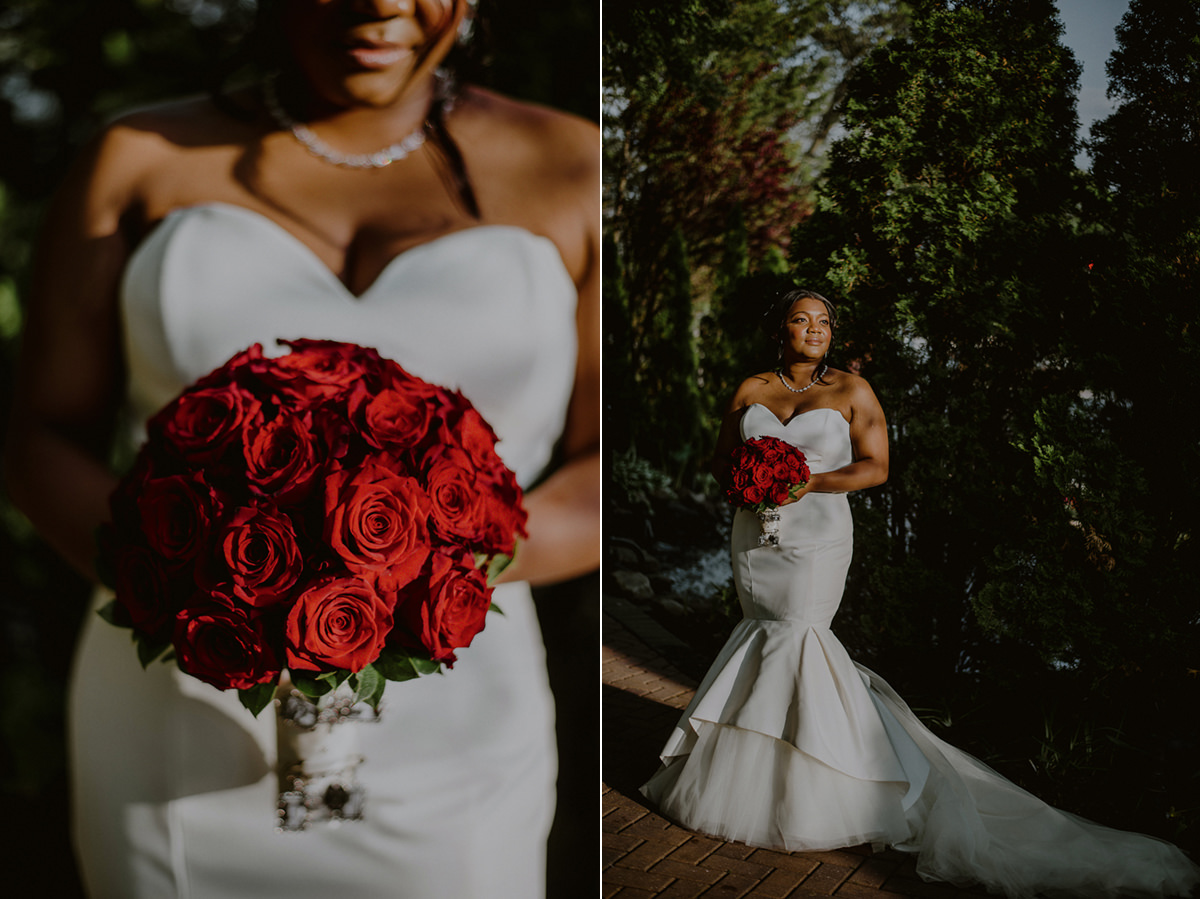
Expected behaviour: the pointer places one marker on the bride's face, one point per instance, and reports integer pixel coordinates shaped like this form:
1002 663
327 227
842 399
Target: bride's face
807 329
368 52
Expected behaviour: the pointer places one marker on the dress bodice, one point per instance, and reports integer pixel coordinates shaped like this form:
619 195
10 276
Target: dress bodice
823 435
489 311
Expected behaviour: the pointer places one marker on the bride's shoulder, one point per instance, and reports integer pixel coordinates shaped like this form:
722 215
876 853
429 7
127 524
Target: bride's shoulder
855 389
128 149
848 382
752 390
528 135
171 125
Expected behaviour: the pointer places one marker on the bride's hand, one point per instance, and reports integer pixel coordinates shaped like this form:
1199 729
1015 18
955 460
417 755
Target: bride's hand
804 491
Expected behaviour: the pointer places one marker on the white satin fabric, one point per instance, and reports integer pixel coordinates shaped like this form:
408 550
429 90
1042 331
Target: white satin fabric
789 744
174 787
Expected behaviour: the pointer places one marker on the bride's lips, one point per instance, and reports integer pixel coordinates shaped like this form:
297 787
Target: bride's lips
367 54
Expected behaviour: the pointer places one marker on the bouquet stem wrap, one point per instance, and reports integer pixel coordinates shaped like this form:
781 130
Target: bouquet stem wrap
319 751
769 521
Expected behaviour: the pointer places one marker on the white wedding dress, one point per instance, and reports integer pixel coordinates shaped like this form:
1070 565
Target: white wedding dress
173 781
789 744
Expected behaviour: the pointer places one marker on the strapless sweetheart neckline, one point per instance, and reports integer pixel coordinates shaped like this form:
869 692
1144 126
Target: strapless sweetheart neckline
299 248
797 415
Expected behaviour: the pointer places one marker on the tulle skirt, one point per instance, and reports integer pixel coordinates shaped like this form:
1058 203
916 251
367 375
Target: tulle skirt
789 744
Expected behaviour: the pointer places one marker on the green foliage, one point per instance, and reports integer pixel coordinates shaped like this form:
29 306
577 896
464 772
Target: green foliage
1155 74
257 698
400 665
670 430
1147 276
715 116
637 481
947 228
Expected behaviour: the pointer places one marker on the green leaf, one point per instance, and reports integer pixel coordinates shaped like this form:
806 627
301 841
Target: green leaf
370 686
108 612
257 698
496 566
492 607
312 687
426 666
399 665
149 649
334 678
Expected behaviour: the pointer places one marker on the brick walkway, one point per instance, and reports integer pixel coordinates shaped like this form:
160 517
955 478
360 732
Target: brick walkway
644 854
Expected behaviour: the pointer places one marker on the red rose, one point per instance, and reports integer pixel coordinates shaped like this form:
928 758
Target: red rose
486 514
203 423
176 515
506 519
283 457
259 554
223 646
375 519
764 469
445 611
476 438
248 361
458 509
337 623
317 370
397 417
143 590
762 476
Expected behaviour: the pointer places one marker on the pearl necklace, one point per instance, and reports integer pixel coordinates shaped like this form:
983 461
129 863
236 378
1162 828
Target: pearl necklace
820 374
377 160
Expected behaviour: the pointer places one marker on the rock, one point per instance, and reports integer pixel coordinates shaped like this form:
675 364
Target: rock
633 584
661 584
673 606
625 553
625 556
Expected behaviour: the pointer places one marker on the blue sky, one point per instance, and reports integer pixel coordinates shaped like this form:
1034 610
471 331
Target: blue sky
1089 27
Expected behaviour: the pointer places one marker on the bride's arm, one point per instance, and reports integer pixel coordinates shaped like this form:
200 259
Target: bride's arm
70 374
730 436
564 510
868 438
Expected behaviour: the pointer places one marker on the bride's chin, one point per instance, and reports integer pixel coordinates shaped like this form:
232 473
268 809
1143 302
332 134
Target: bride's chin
372 89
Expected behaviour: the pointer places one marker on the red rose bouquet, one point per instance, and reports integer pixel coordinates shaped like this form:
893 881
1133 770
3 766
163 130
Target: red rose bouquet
324 512
764 473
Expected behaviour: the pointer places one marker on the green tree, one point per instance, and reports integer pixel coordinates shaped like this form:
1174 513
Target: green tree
671 428
1116 455
946 225
1118 557
704 104
1029 336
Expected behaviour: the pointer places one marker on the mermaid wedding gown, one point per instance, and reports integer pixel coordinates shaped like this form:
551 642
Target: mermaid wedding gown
173 781
789 744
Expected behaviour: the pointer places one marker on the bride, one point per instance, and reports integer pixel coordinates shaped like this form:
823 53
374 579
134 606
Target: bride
789 744
357 195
